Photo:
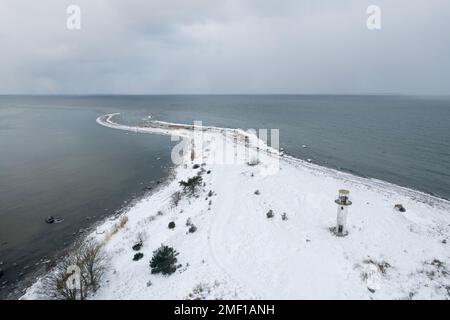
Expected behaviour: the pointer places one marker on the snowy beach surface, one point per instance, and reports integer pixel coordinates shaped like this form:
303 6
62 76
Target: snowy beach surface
237 252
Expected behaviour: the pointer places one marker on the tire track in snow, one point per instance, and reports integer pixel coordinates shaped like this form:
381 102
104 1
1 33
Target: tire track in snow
219 225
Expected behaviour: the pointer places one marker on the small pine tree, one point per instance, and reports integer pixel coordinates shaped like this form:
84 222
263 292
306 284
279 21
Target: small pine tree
190 186
164 260
171 225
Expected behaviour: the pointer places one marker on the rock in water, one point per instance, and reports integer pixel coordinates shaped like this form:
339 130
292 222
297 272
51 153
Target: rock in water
50 219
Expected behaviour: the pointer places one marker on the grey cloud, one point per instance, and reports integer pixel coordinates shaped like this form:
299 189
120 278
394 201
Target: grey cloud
234 46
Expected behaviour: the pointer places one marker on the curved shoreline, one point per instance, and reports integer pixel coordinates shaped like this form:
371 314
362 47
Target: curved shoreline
234 228
106 120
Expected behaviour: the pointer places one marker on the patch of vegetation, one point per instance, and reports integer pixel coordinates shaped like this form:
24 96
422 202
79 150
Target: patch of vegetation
116 227
176 198
203 291
192 229
137 246
284 216
270 214
138 256
382 266
164 260
191 185
171 225
78 274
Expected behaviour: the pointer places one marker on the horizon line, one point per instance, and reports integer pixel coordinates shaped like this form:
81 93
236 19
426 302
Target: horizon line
223 94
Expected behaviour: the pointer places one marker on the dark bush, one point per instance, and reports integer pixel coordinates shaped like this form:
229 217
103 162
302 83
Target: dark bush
171 225
192 229
284 216
164 260
138 256
269 214
137 246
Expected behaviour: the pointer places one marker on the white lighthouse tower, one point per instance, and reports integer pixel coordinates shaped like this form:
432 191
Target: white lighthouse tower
343 202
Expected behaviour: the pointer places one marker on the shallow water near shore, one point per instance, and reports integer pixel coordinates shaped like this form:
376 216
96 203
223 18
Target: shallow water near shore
57 161
60 163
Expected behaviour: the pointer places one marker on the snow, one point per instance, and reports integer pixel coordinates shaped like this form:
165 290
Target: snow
238 253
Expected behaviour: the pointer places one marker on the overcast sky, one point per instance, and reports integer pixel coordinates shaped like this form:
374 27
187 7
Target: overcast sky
225 46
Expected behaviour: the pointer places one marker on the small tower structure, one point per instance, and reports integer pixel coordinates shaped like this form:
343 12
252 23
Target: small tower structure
343 201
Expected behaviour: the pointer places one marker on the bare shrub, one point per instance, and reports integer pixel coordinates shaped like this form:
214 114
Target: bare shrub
139 241
176 198
116 227
62 283
203 291
123 221
92 264
77 274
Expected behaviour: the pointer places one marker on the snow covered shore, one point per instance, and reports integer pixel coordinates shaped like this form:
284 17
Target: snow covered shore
237 252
